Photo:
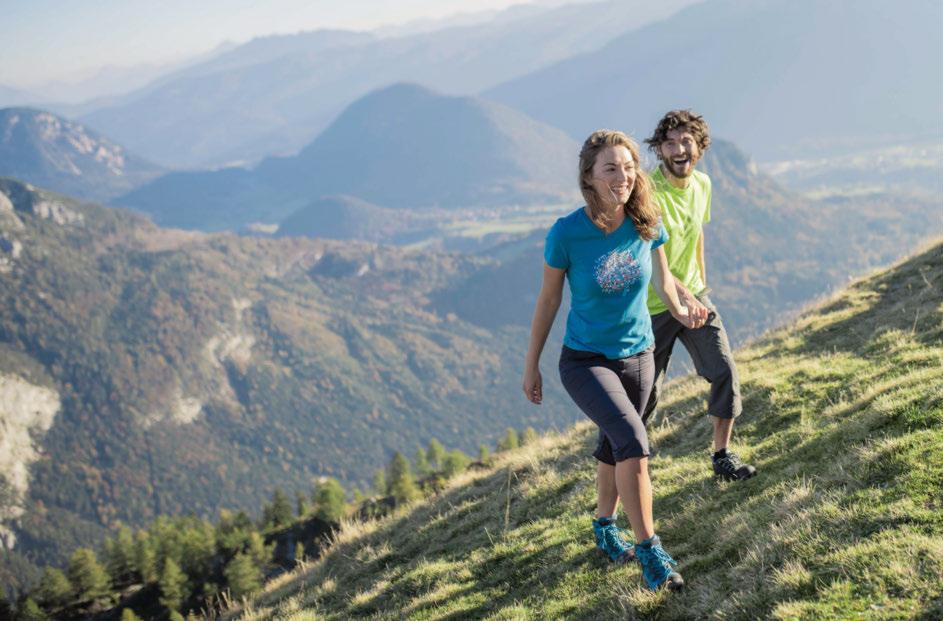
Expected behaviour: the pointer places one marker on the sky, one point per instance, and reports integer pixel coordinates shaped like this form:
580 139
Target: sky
67 40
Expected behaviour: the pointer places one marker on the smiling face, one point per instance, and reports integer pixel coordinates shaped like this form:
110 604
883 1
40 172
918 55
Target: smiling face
679 152
613 176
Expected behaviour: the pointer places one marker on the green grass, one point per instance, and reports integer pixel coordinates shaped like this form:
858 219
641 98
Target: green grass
844 419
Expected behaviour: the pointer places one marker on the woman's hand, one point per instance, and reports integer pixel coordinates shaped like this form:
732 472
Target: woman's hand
697 311
533 386
687 319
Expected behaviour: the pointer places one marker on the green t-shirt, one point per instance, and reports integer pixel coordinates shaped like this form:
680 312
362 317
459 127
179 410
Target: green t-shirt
683 212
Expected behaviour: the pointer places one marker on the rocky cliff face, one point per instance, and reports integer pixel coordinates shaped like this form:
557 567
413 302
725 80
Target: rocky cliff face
53 152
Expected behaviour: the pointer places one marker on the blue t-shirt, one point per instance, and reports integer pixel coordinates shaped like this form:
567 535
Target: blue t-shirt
608 276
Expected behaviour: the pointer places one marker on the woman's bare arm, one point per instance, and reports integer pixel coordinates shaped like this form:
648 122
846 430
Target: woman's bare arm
548 302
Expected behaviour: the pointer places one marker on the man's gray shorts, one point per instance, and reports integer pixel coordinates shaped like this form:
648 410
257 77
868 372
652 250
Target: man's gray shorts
709 349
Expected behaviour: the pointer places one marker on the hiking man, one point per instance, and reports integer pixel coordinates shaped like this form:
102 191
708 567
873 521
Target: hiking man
684 197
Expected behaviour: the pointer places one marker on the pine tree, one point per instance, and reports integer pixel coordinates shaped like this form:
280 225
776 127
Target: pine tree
120 556
29 610
330 500
257 550
54 590
380 487
455 462
128 615
529 436
402 484
145 557
232 531
484 454
301 504
509 441
173 586
422 463
435 454
357 497
242 575
197 539
279 513
89 579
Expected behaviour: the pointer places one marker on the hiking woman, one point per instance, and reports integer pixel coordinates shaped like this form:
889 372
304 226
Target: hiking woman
609 250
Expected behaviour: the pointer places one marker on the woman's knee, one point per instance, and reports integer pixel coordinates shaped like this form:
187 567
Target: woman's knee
633 464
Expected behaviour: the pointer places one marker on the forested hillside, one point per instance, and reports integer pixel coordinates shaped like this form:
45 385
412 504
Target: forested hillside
148 371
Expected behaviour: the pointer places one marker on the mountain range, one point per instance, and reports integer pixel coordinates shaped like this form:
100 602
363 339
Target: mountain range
10 97
274 95
403 146
777 77
50 151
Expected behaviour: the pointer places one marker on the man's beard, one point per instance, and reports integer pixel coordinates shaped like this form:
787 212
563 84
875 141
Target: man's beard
680 171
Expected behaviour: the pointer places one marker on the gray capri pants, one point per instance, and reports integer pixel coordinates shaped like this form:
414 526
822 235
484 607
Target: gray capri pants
612 394
709 348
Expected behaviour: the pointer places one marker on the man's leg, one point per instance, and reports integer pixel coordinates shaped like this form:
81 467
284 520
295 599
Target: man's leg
666 330
723 428
710 351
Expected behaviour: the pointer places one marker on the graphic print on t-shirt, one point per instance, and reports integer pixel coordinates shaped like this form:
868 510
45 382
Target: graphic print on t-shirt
616 271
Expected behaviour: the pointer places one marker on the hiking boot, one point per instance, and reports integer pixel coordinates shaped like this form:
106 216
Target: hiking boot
611 542
656 565
730 468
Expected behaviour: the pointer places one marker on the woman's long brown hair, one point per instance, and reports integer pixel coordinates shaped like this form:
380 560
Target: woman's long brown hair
640 207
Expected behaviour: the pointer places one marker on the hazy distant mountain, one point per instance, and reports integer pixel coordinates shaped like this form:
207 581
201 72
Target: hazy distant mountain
10 96
402 147
274 95
64 156
147 371
341 217
775 76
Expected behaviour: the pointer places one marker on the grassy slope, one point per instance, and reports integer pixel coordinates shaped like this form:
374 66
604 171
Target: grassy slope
843 417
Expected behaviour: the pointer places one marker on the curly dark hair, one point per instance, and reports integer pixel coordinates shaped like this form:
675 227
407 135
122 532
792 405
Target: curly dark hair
686 120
